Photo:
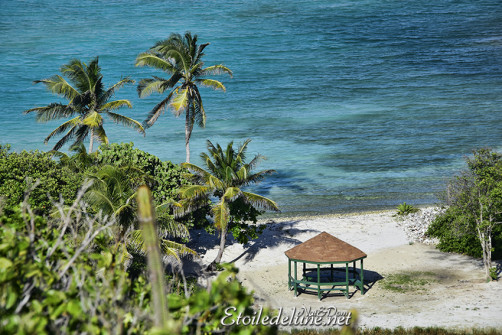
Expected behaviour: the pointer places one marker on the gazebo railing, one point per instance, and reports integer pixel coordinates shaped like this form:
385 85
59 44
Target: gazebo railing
311 278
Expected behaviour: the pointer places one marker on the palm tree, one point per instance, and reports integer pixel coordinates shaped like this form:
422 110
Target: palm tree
225 175
181 58
87 101
113 192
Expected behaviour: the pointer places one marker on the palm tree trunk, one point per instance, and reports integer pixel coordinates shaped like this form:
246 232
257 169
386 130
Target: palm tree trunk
188 133
91 142
223 241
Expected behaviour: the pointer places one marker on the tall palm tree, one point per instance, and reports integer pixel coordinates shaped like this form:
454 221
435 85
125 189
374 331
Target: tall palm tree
181 58
225 175
87 101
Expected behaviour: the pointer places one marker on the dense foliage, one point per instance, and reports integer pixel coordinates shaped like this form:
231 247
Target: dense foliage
65 176
18 170
471 223
69 274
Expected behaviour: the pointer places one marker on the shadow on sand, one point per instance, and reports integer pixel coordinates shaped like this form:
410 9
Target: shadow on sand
370 278
274 234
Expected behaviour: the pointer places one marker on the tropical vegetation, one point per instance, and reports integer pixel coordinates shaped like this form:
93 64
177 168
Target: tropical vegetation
227 173
180 57
70 274
405 209
88 101
471 223
92 241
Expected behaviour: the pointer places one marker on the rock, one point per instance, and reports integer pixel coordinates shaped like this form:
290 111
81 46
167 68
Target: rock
416 224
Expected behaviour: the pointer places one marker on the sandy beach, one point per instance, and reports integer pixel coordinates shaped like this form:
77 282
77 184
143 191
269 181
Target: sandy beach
455 296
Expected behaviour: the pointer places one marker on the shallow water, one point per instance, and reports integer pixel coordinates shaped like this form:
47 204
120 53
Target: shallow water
357 105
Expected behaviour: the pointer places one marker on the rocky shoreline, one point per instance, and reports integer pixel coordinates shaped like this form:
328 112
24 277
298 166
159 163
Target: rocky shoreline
416 224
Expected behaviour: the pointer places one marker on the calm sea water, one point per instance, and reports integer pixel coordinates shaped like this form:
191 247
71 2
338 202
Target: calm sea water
356 104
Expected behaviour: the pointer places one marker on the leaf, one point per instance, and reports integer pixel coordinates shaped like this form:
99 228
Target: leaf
11 299
180 101
5 263
211 83
93 120
73 307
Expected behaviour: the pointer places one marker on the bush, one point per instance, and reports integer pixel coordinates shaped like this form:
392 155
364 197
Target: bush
453 237
163 177
68 275
52 281
470 224
18 170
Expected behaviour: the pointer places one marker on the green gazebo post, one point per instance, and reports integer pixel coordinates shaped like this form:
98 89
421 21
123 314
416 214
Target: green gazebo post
325 249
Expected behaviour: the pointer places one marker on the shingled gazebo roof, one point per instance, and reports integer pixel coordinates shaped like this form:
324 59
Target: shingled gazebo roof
325 248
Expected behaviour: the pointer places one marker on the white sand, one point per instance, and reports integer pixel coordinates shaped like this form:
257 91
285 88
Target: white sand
459 297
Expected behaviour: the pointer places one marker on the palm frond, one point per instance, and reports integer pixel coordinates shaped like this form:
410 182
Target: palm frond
255 161
100 134
172 228
81 133
193 191
217 69
177 52
51 112
69 135
195 169
188 205
199 112
93 120
180 100
221 214
260 201
126 121
149 86
169 248
200 53
62 128
58 85
111 91
112 105
241 153
215 183
154 114
232 193
211 83
96 196
78 72
256 177
156 60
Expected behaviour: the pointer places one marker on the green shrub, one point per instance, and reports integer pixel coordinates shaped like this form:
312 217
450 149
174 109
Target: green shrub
52 281
18 170
163 177
494 273
68 275
474 200
453 237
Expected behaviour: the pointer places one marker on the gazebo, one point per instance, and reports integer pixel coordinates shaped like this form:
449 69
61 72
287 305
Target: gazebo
325 250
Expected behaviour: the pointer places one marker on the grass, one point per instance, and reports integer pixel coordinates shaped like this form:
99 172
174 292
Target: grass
406 282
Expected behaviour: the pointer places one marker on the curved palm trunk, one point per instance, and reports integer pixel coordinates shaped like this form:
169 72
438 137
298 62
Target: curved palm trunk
188 133
91 142
223 241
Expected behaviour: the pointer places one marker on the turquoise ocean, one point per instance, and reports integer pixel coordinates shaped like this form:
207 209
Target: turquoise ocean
357 105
